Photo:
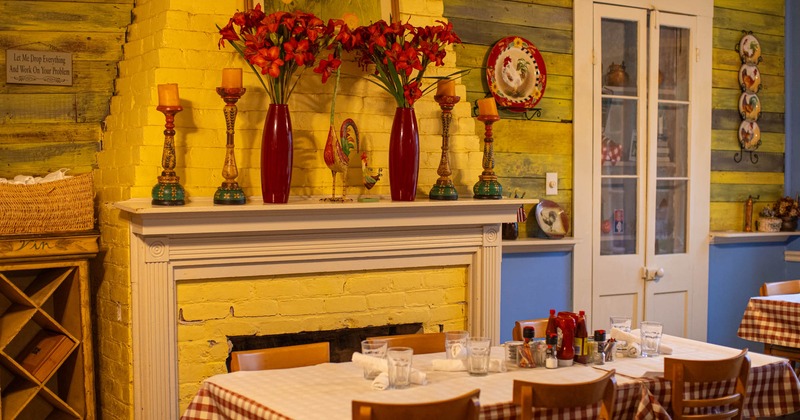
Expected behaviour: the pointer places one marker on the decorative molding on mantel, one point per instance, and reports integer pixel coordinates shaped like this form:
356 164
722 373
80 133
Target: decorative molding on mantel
719 238
536 245
203 241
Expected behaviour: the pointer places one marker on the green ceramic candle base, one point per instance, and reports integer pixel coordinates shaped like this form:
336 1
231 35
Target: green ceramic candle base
443 192
168 194
233 195
488 190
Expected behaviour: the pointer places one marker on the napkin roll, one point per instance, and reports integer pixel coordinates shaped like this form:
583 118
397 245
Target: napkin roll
620 335
416 377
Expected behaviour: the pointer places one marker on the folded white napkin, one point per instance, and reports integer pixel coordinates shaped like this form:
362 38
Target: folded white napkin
460 365
417 377
618 334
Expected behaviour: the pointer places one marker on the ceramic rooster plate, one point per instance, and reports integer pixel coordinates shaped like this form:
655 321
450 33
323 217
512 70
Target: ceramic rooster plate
749 106
750 49
516 74
749 135
551 220
749 78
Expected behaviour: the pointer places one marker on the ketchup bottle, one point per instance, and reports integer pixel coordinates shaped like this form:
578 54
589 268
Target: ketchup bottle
566 351
581 338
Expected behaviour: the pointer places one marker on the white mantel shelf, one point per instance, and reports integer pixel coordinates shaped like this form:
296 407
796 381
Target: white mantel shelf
312 214
201 241
731 237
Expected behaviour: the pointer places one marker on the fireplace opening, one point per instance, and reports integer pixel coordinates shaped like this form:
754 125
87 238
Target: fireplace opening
343 341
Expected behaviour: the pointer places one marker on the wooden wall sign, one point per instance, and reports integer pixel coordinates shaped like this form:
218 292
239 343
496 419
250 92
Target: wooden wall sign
39 67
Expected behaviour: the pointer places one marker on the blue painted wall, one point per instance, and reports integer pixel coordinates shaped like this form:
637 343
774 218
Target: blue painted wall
533 283
735 274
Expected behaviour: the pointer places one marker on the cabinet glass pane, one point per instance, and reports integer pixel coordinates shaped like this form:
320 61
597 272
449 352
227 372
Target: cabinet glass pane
618 151
673 140
673 64
618 216
671 217
619 52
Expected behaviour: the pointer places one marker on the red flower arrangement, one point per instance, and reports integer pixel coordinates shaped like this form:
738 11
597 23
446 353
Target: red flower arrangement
400 53
279 44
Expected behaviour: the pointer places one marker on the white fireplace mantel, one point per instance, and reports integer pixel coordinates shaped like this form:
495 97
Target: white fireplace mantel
203 241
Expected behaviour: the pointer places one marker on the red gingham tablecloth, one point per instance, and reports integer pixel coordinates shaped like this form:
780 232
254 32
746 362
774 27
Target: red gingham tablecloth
773 320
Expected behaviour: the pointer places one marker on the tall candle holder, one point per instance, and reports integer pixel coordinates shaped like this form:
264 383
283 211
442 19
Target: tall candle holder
168 191
487 186
444 188
230 192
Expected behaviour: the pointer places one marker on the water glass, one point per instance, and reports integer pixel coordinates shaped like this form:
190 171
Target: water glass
622 323
478 352
399 359
455 344
374 348
651 337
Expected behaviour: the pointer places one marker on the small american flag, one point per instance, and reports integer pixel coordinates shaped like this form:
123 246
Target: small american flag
521 215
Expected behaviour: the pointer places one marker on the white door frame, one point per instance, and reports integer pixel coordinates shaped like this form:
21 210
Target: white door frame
583 150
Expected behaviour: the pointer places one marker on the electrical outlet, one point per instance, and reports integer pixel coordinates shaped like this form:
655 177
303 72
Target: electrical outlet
551 183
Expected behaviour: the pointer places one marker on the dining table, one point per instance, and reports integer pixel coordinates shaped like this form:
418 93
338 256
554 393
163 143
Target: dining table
773 320
327 390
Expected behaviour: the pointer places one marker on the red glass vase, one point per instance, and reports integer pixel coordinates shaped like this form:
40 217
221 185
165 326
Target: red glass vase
276 154
404 155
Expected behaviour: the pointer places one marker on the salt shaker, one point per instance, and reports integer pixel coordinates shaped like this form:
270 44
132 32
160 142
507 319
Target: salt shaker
552 360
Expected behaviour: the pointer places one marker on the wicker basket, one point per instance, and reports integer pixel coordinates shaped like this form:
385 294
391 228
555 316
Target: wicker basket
51 207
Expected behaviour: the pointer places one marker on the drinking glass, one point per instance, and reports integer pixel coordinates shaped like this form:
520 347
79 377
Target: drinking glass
478 352
374 348
651 337
399 359
455 344
623 323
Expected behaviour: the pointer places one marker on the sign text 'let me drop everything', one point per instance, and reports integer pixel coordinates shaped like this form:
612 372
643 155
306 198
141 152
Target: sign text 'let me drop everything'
39 67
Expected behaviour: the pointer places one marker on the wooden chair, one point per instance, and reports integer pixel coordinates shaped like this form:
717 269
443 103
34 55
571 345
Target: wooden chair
421 343
680 372
529 395
465 407
281 357
782 288
539 327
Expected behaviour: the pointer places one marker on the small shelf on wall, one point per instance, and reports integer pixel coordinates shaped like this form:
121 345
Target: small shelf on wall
734 237
532 245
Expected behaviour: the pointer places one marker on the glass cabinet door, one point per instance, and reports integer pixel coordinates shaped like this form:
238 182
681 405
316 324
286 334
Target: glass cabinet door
622 99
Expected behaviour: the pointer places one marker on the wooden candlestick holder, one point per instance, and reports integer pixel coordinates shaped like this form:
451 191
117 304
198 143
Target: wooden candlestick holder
230 192
168 191
487 186
444 188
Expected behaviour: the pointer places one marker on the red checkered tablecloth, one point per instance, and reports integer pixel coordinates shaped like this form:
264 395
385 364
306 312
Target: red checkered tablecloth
773 320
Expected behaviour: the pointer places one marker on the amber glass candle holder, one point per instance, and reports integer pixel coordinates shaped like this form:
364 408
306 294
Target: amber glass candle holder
168 191
230 192
444 188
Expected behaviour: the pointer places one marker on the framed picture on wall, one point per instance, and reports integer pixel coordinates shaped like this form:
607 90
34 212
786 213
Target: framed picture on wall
354 12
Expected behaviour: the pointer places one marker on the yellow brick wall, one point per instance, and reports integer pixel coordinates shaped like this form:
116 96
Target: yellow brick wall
175 41
273 305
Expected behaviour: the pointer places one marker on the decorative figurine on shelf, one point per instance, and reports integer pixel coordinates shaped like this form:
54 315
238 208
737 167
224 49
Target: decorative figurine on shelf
231 90
786 208
168 191
487 186
767 222
748 214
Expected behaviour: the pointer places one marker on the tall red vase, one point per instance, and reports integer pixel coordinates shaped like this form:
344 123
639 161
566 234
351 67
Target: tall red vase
404 155
276 154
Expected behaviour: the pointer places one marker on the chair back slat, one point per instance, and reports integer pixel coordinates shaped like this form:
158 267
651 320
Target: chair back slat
780 288
465 407
539 327
421 343
281 357
530 395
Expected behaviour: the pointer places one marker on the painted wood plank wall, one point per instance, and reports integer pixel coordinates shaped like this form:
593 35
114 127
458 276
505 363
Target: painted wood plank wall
44 128
524 150
732 182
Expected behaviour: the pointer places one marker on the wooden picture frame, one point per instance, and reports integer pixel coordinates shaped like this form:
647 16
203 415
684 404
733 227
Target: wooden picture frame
366 10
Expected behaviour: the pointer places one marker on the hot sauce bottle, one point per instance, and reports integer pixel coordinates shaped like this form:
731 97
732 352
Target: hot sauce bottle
566 351
551 324
581 339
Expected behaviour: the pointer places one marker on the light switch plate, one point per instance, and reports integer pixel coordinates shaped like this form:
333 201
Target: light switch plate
551 183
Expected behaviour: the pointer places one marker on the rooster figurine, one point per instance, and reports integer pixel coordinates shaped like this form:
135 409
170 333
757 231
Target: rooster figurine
337 154
369 179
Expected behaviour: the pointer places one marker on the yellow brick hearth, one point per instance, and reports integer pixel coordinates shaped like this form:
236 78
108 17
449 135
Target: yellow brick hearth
213 310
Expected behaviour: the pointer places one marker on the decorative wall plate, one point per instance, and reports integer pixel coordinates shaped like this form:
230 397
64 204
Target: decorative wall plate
516 73
750 49
749 106
749 78
551 220
749 135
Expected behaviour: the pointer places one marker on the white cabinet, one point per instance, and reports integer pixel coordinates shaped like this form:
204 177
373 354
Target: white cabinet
642 124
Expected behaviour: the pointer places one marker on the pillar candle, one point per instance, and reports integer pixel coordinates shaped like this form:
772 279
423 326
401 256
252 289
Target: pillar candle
446 87
487 106
168 95
232 78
